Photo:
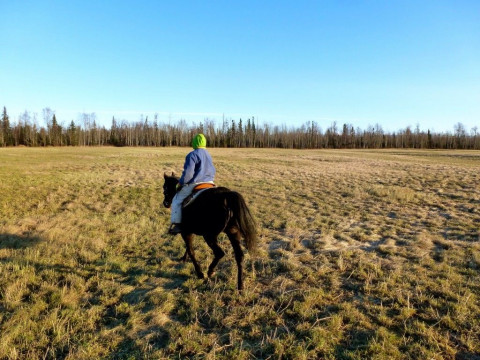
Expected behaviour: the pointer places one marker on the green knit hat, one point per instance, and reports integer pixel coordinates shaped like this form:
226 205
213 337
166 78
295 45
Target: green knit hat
199 142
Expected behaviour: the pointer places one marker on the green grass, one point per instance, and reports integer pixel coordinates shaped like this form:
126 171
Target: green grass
363 254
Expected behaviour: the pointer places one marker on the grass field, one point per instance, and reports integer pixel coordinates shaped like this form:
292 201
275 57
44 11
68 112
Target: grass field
363 254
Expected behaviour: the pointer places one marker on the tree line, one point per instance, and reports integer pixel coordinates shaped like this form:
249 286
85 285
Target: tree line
229 133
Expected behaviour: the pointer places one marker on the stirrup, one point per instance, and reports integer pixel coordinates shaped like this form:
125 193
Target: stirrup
174 229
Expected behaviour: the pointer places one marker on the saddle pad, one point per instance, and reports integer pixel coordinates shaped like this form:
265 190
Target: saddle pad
196 191
203 186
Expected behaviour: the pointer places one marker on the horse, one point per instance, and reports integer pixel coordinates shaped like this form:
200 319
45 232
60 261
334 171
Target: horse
212 212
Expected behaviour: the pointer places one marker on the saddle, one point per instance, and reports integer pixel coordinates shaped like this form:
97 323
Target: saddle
197 190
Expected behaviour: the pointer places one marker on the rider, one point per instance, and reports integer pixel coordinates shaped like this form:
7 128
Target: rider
198 168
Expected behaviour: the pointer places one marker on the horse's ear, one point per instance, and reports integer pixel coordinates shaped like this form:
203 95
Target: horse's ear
165 175
173 174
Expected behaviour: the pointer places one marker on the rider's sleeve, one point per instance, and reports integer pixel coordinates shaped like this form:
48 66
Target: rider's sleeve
188 169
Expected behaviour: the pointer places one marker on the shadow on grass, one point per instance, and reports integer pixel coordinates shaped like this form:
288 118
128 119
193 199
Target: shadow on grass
60 270
101 284
127 349
11 241
467 356
357 339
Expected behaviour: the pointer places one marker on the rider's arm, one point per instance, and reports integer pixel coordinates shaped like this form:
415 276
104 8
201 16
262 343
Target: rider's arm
188 169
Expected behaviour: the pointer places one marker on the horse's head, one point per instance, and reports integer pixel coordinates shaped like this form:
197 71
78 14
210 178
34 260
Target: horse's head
169 189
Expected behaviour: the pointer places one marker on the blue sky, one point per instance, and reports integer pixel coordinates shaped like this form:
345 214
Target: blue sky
396 63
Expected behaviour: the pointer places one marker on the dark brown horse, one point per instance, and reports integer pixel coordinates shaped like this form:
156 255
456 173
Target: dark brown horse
212 212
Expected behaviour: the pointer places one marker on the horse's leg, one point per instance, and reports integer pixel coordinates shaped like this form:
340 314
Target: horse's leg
235 237
217 252
184 257
188 244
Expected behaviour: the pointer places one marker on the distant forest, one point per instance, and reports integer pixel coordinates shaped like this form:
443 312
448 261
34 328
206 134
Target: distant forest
229 133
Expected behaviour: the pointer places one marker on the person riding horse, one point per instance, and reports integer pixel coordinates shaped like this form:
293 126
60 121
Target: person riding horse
198 168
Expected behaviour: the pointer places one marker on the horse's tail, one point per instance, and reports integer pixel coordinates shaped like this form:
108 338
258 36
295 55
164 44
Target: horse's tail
243 218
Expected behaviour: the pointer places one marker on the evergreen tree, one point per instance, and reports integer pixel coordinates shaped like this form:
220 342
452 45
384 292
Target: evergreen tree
114 136
56 132
2 141
248 134
254 132
232 135
6 130
240 133
72 138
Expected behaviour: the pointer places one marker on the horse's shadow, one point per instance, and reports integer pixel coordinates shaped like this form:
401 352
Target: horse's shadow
14 241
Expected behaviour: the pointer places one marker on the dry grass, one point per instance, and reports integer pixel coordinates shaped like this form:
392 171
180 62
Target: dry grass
364 254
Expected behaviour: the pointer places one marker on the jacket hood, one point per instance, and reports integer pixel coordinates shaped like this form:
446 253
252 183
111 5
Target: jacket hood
199 142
